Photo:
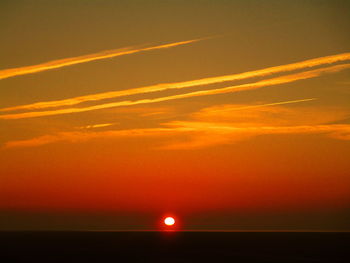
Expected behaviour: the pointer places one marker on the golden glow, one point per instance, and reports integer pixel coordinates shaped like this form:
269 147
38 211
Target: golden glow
248 128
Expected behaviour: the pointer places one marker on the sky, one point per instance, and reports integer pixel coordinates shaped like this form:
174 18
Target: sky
227 115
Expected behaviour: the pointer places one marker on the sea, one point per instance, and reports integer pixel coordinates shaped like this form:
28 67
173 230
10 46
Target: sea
173 246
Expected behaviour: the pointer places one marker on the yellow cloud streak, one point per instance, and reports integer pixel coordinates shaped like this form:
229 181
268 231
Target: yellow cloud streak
205 134
179 85
228 127
101 125
7 73
222 132
236 88
85 136
264 105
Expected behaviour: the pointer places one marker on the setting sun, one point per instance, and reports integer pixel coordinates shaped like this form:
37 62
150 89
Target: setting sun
169 221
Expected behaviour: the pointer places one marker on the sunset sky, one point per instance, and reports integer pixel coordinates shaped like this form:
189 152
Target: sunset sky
227 115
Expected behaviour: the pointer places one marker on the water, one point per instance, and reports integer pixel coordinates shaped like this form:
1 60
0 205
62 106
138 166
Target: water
174 247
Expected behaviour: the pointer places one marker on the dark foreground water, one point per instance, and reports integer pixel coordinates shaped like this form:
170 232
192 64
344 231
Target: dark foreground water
174 247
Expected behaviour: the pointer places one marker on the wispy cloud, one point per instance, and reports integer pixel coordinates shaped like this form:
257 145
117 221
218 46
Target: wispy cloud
226 124
271 114
208 134
266 104
78 136
100 125
208 128
186 84
54 64
202 134
236 88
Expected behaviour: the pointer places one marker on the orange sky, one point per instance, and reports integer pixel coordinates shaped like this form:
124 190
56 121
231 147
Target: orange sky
229 115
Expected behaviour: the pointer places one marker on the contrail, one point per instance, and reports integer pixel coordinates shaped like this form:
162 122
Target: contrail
8 73
266 104
186 84
230 89
276 103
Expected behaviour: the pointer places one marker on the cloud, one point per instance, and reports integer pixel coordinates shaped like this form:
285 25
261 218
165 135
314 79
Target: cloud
271 114
236 88
209 134
78 136
60 63
264 105
226 124
185 84
230 123
219 125
201 134
93 126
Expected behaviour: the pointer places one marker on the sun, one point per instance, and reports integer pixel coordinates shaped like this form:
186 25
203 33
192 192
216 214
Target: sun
169 221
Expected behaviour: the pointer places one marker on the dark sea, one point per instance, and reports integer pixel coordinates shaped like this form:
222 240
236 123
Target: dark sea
174 247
